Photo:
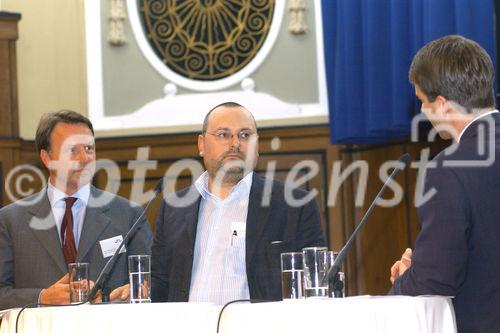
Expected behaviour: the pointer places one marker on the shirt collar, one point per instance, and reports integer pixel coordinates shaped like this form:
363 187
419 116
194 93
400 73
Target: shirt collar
201 184
55 195
473 120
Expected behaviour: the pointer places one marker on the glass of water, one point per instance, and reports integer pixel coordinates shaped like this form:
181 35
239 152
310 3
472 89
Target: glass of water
338 289
315 270
292 275
78 282
139 269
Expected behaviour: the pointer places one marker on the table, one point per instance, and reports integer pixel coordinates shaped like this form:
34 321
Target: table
352 314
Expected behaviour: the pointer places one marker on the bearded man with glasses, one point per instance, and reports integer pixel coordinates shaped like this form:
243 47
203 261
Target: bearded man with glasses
226 244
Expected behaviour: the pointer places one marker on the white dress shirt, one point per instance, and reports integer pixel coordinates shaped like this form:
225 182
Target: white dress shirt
477 118
58 206
219 265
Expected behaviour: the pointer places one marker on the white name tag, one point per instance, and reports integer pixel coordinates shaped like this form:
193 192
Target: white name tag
109 246
239 229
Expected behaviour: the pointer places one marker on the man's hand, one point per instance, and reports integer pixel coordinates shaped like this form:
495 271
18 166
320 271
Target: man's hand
120 294
401 265
58 293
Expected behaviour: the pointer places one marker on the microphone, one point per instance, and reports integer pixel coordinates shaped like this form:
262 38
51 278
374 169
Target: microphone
100 283
337 264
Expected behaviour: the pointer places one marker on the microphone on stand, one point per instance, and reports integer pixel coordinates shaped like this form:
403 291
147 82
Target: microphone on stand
100 283
337 264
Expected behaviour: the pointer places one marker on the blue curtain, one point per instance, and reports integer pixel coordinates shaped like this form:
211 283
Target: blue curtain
369 45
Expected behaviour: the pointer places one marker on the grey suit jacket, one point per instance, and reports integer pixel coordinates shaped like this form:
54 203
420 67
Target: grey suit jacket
270 230
31 257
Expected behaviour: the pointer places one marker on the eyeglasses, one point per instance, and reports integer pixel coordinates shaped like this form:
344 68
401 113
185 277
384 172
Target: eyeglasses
226 136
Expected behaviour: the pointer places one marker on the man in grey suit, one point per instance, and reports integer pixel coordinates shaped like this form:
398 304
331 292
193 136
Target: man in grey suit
68 221
220 239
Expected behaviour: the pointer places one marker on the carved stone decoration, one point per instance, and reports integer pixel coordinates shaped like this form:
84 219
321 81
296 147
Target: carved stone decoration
116 33
297 9
206 40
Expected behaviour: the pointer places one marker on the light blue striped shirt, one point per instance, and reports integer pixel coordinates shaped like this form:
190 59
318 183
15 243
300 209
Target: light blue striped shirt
219 266
58 206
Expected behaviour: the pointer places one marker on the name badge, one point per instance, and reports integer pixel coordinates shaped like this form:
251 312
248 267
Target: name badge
239 229
109 246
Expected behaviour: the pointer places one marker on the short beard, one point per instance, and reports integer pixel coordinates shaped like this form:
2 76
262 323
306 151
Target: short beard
233 175
229 174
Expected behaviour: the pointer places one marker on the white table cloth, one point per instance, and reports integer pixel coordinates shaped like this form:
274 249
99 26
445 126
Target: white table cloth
352 314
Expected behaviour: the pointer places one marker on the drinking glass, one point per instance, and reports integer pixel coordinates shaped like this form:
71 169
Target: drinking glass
78 282
292 275
139 268
315 269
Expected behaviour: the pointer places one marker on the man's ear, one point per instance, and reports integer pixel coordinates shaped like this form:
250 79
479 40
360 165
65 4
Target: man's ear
442 105
450 109
441 100
44 156
201 145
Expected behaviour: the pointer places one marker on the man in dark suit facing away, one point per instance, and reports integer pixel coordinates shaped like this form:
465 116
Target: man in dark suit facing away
221 239
456 253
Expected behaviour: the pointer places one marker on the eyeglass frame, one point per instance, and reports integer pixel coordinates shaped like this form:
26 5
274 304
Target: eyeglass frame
229 138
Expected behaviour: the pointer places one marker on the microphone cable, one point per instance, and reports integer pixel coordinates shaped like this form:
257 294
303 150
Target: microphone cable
236 301
36 305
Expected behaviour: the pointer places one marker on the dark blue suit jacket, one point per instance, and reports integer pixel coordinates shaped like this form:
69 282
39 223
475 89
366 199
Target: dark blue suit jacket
269 232
457 252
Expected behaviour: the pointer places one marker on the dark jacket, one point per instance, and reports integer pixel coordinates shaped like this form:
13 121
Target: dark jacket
458 248
270 231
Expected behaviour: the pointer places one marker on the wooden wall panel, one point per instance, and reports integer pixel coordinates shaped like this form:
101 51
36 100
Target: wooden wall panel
9 123
389 230
384 232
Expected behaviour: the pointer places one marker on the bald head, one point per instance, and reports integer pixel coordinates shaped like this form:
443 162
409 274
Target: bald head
220 108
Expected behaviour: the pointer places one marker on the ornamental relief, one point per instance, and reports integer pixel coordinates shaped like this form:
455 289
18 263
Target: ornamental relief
206 40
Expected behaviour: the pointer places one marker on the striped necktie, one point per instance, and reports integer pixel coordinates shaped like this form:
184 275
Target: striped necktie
67 237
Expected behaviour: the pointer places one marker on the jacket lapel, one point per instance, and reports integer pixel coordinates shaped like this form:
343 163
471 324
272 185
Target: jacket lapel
256 218
188 219
191 220
95 222
44 228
